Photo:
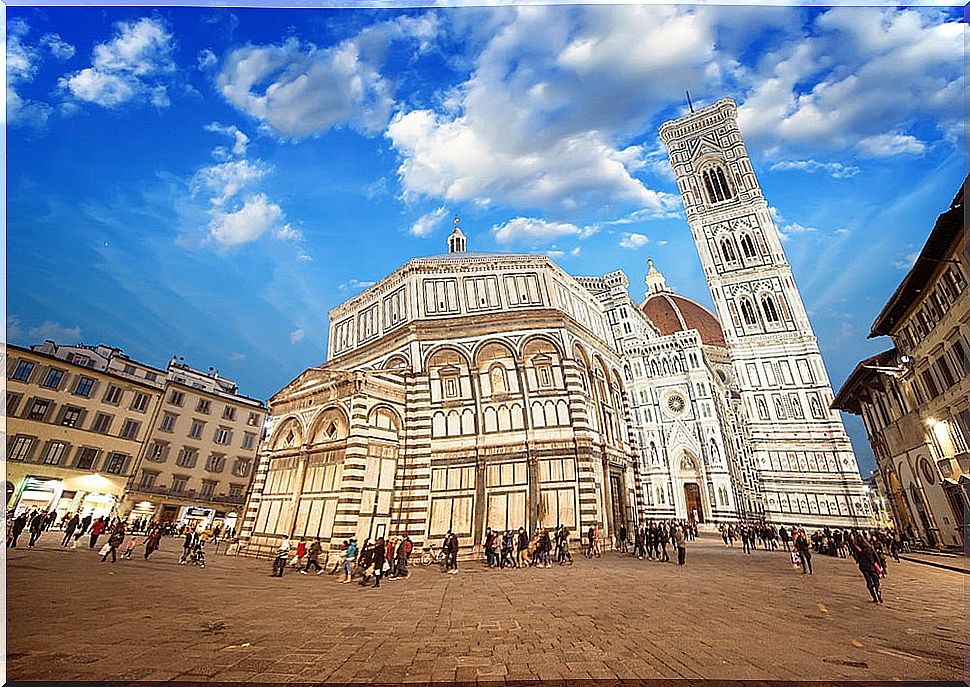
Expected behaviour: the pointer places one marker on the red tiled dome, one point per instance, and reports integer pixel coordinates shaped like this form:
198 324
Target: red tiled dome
672 313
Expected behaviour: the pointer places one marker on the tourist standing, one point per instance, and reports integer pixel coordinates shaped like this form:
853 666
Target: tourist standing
783 535
403 553
522 547
379 561
350 554
490 545
680 539
804 550
450 548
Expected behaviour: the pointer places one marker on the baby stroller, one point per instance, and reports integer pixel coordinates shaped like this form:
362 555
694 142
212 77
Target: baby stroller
197 557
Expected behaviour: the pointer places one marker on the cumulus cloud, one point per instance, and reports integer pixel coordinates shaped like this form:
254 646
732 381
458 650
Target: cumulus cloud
535 231
226 179
352 285
888 145
426 224
529 127
836 170
132 65
60 49
256 216
633 241
55 331
786 232
297 335
802 95
22 62
240 140
301 89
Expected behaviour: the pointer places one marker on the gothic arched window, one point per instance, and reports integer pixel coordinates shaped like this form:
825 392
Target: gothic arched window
747 246
747 311
768 306
716 184
727 250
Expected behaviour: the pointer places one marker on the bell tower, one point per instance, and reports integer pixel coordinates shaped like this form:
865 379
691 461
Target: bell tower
808 472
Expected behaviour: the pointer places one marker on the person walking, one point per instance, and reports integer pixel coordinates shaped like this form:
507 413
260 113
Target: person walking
379 561
313 557
680 539
19 525
491 539
114 541
403 554
868 561
350 555
72 525
664 538
621 535
37 524
508 546
450 548
522 546
187 543
96 529
152 541
804 550
783 535
282 554
297 561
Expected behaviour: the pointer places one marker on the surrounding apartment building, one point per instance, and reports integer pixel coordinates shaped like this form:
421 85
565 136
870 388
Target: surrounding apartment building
91 430
201 451
77 419
915 397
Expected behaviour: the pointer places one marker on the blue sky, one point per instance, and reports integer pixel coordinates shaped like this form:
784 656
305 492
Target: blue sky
209 182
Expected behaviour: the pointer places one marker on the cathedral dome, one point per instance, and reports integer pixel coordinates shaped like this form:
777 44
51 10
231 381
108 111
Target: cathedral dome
670 312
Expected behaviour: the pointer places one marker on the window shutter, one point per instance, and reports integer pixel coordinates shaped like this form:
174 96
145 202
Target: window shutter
51 409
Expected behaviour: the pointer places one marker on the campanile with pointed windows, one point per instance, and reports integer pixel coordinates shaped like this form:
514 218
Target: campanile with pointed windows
806 468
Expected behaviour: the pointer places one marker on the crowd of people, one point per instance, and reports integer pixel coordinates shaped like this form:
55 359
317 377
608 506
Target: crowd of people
372 561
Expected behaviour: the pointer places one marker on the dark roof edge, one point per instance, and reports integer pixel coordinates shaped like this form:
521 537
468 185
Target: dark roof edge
855 378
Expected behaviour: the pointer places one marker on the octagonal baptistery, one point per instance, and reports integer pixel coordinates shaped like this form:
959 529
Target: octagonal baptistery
462 391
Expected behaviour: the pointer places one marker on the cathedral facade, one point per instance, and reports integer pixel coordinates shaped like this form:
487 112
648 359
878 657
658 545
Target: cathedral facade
472 390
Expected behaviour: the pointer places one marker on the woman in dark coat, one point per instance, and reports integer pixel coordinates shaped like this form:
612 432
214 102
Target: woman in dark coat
380 555
868 562
152 541
114 541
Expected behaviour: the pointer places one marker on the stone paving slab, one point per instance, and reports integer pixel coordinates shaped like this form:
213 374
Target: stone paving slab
725 615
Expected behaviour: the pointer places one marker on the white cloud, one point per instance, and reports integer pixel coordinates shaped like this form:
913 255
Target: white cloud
55 331
240 140
533 230
296 336
836 170
888 145
206 59
288 233
132 65
300 89
633 241
236 356
352 285
785 233
15 329
426 224
907 262
840 86
226 179
255 217
546 116
58 48
22 62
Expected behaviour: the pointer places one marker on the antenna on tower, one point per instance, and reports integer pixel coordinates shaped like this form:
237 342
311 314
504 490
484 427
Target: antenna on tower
689 103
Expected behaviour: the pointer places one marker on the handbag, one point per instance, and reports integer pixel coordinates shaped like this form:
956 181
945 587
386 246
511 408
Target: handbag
386 566
105 550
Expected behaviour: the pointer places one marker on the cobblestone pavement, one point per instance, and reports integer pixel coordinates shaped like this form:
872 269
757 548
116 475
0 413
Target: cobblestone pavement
725 615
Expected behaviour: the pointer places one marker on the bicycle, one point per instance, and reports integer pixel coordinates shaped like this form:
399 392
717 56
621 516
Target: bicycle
432 555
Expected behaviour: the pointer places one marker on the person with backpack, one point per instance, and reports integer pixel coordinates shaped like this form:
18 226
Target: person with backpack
867 559
114 541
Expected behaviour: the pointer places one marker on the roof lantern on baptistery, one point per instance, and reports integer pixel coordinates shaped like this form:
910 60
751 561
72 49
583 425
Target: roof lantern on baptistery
671 312
457 240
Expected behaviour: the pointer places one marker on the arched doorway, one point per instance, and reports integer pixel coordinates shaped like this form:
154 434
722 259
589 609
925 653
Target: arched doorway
690 479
